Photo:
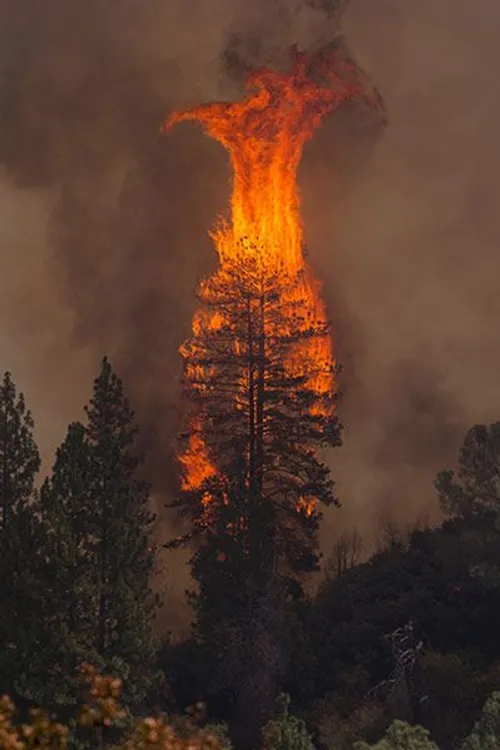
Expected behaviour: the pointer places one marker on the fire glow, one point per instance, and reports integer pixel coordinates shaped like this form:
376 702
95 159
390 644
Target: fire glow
265 135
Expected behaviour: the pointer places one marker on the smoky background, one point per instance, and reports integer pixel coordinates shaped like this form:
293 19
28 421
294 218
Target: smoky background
103 231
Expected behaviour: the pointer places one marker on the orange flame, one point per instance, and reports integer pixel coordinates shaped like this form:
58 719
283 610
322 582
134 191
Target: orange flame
197 467
265 136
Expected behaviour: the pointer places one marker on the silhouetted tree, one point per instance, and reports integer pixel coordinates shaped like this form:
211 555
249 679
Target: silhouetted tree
346 553
19 461
67 625
258 377
19 464
475 489
101 556
473 494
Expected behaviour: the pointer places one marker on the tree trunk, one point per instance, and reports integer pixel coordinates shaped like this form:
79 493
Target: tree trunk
103 566
252 477
261 372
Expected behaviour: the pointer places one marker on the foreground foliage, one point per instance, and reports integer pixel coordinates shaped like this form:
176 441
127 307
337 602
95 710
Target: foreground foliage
484 736
98 717
76 558
284 731
401 736
102 720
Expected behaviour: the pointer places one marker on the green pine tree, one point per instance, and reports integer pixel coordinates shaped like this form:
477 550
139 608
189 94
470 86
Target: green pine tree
66 510
19 461
19 464
101 557
65 577
118 535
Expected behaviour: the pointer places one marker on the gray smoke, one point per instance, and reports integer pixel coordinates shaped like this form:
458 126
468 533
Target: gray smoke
415 267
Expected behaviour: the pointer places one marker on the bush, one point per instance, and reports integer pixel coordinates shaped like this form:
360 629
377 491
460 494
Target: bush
99 718
401 736
285 732
486 732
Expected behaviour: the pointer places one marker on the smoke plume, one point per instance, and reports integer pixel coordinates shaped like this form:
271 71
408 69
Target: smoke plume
104 221
415 266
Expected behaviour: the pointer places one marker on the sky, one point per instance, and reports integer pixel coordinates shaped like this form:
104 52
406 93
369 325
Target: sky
104 222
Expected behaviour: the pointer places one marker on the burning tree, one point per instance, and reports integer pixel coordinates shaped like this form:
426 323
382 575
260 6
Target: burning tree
259 375
258 412
259 367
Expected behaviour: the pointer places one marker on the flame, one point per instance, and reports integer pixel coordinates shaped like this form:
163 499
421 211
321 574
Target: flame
197 467
307 505
265 135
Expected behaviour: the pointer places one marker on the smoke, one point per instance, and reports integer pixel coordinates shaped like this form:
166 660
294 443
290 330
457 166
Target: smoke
104 222
84 92
415 267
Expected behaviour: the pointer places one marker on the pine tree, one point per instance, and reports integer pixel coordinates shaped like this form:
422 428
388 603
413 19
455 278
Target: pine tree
475 489
262 410
19 461
66 510
67 623
119 534
263 422
262 419
19 464
98 534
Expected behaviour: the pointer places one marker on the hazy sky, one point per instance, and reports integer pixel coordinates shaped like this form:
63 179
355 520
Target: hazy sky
104 222
417 263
